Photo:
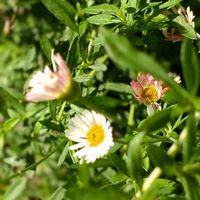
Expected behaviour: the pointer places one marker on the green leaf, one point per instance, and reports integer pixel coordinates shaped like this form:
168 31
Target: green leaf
191 187
82 78
169 4
190 66
119 163
160 187
137 4
15 189
52 125
60 10
159 158
105 8
9 124
129 58
192 168
63 155
135 160
184 27
103 19
59 194
118 87
189 142
33 109
7 96
72 55
98 67
46 46
157 120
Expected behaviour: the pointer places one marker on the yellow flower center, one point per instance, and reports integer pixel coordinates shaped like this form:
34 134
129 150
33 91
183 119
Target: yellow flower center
95 135
150 94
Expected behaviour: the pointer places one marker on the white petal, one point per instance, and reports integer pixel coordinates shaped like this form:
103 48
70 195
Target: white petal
78 146
81 153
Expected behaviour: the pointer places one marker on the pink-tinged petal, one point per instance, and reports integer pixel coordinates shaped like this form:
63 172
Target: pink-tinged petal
49 85
139 99
136 88
62 69
158 86
48 72
190 17
151 79
143 80
53 61
37 97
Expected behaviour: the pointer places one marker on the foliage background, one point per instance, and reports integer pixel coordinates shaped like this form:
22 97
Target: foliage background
34 157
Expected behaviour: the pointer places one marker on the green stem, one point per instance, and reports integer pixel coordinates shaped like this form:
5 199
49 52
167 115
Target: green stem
93 34
32 166
131 115
61 110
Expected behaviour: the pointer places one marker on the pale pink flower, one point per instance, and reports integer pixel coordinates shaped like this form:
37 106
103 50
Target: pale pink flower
50 85
173 34
148 90
188 15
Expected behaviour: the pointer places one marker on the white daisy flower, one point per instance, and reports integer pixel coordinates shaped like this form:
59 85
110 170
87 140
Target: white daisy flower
92 134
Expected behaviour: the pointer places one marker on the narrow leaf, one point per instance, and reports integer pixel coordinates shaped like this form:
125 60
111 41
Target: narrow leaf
103 19
169 4
190 66
191 187
59 194
156 121
63 155
105 8
119 163
118 87
159 157
189 141
135 160
16 189
184 27
98 67
46 46
82 78
60 12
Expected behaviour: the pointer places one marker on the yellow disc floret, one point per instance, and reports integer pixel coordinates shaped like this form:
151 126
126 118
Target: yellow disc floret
150 94
95 135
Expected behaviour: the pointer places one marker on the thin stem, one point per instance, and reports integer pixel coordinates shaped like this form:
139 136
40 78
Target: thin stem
131 115
33 165
61 110
93 34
